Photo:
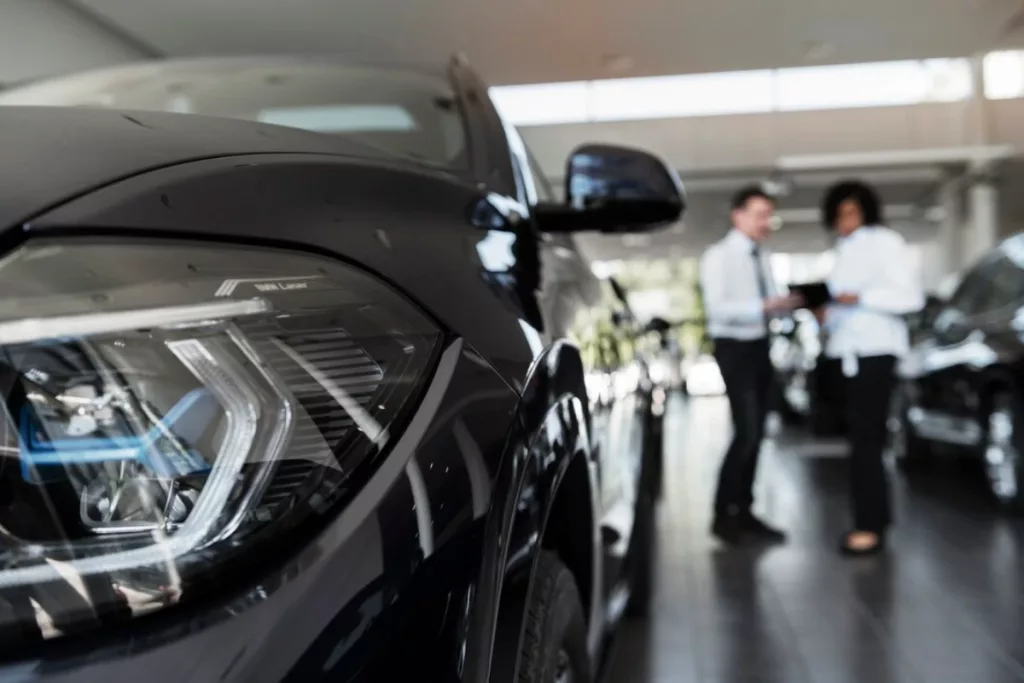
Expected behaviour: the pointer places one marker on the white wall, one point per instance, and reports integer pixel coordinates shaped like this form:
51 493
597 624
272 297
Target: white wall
43 37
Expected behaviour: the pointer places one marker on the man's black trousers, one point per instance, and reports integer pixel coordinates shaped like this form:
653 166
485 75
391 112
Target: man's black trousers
748 374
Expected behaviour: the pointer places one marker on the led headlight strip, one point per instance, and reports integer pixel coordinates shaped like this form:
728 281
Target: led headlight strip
161 443
210 360
64 327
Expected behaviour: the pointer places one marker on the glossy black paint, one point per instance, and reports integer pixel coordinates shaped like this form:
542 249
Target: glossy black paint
975 337
615 189
968 351
598 173
519 443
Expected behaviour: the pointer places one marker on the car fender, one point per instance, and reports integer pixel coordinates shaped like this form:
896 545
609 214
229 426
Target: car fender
553 439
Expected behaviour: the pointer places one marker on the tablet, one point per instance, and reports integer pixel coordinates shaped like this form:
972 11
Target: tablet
814 294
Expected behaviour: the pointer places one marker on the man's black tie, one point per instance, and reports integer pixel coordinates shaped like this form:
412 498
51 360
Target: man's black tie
762 282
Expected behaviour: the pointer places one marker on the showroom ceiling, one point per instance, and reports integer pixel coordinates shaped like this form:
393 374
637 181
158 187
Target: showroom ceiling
525 41
529 41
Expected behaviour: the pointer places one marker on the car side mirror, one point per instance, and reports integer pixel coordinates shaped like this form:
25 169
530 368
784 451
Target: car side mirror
614 189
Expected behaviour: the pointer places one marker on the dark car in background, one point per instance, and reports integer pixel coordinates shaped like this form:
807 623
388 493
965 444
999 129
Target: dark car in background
962 383
808 385
312 405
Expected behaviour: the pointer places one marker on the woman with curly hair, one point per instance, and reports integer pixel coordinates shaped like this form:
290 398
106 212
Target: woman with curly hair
874 285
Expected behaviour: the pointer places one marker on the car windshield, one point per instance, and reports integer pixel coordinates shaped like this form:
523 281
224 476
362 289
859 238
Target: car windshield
398 112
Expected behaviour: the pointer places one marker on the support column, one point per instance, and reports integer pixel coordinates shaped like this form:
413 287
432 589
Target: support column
978 129
982 230
950 236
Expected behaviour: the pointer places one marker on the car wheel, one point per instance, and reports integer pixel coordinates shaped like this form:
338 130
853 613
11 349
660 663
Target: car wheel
554 647
908 451
1002 453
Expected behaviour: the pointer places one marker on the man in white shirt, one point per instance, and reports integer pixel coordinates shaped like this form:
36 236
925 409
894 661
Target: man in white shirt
740 296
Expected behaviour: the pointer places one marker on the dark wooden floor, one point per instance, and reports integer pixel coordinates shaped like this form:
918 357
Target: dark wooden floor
945 605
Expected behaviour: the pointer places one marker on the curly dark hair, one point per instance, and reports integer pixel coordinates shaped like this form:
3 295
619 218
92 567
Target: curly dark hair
862 193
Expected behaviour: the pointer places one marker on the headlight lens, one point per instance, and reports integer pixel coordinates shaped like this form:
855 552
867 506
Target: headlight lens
167 405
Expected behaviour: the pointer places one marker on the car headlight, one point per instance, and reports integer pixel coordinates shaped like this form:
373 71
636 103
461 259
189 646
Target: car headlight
169 405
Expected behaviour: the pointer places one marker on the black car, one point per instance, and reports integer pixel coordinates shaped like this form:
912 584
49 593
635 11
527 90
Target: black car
962 382
302 405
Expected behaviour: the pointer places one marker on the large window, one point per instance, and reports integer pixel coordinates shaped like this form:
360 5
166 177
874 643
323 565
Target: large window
872 85
543 104
1004 74
393 112
742 92
697 95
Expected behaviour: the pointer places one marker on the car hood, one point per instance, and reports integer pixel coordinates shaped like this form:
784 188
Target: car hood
53 154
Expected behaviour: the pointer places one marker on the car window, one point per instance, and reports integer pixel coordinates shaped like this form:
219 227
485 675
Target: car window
397 112
521 167
545 192
1005 285
973 290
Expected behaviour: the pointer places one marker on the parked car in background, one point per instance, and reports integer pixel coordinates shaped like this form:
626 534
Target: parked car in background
808 385
920 323
794 353
293 392
664 353
962 383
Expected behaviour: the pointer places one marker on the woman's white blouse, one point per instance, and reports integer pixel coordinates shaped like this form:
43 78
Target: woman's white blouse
874 263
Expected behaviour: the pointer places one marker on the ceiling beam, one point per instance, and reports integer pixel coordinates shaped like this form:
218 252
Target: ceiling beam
730 181
979 156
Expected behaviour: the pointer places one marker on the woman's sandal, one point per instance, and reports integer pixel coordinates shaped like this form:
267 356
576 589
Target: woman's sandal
858 543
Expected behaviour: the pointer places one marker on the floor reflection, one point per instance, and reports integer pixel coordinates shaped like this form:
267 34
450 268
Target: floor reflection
945 606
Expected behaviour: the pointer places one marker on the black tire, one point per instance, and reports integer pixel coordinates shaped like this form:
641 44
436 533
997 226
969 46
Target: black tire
1001 452
641 559
555 632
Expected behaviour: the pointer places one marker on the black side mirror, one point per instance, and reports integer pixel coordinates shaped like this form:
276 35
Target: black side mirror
615 189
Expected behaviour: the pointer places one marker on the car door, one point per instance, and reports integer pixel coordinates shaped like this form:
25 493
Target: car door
592 314
606 334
